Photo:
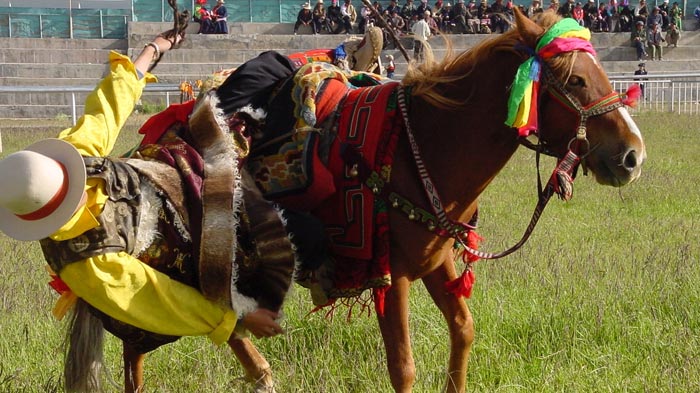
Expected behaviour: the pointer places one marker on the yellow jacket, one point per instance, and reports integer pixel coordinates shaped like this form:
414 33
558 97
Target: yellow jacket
118 284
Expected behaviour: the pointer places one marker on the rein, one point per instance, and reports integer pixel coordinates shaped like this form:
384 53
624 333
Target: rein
560 182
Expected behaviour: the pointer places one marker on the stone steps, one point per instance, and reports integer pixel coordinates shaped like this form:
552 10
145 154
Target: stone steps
82 62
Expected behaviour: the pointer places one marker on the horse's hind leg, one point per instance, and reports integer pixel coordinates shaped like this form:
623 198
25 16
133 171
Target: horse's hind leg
394 328
459 321
133 369
256 367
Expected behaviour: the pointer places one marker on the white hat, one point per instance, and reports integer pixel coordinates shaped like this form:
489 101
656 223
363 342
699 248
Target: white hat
306 6
43 185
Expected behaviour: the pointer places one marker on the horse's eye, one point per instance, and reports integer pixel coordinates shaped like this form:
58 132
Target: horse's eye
575 81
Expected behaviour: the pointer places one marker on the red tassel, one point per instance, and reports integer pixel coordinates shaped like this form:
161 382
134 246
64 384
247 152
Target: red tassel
462 285
58 285
379 296
632 95
473 240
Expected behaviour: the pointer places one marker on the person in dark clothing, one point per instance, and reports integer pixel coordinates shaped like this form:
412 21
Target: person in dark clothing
305 18
220 15
641 71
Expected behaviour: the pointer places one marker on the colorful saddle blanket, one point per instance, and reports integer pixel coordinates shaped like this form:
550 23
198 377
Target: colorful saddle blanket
364 124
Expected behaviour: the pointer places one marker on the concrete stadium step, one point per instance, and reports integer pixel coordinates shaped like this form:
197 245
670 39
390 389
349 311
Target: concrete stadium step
45 70
62 43
55 56
36 81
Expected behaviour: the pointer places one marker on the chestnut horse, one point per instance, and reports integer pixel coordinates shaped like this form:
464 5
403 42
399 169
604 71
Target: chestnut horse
455 119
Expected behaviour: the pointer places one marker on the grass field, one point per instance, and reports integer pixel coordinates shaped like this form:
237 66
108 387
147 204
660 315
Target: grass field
603 298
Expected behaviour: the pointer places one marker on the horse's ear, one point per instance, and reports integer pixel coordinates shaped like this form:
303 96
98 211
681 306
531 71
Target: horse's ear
529 30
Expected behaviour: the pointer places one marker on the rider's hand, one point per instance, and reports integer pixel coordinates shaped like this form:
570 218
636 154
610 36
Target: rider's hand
261 323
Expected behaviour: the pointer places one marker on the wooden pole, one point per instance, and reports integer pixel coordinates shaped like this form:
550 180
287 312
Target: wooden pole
383 24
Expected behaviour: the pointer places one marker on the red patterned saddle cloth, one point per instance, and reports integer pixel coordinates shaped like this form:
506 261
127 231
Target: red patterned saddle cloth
365 136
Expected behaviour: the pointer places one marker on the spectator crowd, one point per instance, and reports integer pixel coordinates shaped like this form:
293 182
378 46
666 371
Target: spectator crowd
468 17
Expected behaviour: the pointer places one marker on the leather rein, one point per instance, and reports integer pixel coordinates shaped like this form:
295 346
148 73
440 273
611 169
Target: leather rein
560 182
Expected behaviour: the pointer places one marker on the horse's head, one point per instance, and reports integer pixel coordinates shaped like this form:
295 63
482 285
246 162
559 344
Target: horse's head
578 108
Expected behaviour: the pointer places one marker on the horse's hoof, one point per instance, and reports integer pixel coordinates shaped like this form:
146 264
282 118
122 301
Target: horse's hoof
264 389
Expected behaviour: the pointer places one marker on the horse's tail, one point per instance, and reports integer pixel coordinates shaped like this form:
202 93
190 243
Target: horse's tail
83 361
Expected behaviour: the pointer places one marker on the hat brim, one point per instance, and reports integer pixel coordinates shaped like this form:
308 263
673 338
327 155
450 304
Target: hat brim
68 155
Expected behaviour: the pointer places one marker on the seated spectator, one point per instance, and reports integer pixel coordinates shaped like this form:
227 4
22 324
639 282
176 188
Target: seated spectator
554 6
363 18
204 18
393 7
602 18
432 24
590 12
535 8
444 18
612 17
319 18
641 12
458 18
334 19
349 15
639 40
483 13
472 16
305 18
497 14
626 19
577 14
673 35
397 23
422 7
654 41
408 11
566 9
220 16
654 18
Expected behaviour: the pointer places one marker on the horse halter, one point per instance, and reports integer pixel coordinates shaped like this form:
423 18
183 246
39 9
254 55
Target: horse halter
603 105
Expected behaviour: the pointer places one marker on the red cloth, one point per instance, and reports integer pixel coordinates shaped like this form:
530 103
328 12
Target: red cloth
355 222
157 124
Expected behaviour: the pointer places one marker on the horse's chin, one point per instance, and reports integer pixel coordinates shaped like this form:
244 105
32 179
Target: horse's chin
615 178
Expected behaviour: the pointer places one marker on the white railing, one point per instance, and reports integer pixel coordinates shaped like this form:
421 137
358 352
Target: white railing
152 89
677 93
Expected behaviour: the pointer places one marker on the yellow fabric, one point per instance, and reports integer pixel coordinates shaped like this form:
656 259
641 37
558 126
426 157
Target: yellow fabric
582 33
118 284
524 108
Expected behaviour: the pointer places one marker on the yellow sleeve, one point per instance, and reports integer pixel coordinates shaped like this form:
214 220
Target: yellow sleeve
130 291
107 108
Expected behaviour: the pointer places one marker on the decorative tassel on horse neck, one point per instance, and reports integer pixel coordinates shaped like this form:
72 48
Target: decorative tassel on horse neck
462 285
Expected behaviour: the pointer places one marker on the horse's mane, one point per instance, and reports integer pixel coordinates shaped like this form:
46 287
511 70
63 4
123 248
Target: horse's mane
425 78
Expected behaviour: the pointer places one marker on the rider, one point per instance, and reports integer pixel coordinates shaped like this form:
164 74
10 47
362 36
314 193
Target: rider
93 249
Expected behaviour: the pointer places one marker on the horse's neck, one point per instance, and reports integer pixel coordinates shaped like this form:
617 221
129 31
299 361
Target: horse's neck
464 149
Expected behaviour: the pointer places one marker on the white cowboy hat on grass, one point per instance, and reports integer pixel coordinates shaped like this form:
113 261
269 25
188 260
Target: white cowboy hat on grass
43 186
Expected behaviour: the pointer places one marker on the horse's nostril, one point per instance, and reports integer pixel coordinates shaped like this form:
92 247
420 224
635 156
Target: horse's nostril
629 161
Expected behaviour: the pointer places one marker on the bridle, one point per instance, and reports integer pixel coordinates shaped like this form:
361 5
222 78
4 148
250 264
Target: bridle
560 182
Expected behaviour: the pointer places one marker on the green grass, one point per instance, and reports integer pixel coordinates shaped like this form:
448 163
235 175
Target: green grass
603 297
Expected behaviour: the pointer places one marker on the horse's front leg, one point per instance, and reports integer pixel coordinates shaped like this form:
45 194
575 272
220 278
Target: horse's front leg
459 321
256 367
395 331
133 369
